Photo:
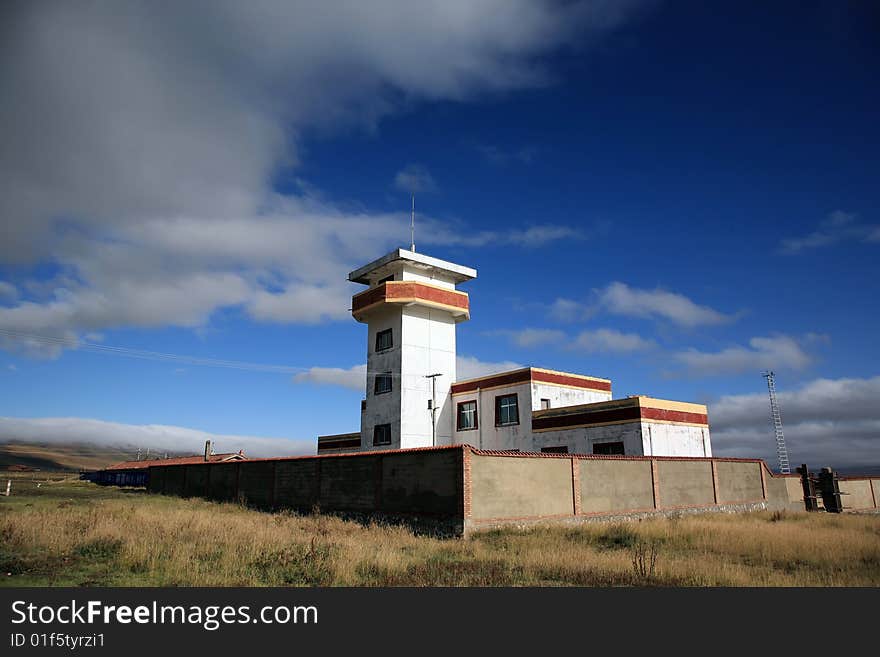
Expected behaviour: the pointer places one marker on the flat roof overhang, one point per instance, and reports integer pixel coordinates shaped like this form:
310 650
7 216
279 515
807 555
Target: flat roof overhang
385 265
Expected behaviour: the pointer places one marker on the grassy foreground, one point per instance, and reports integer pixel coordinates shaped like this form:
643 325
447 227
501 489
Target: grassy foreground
67 533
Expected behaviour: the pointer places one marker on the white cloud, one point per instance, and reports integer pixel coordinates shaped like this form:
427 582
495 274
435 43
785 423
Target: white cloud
415 179
302 304
620 299
833 422
532 337
451 234
839 226
601 340
567 310
542 234
140 145
605 340
776 352
115 115
158 437
354 377
469 367
8 291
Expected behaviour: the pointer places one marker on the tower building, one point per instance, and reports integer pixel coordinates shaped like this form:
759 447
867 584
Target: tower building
411 308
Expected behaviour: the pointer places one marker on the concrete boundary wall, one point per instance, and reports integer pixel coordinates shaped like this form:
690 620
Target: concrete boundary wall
426 483
466 489
859 494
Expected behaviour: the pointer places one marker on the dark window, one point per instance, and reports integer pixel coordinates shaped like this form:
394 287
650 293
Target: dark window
467 415
382 434
558 449
386 279
608 448
545 404
506 410
383 383
383 340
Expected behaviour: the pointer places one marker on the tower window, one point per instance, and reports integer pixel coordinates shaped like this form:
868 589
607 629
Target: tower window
383 383
382 434
383 340
506 410
467 416
545 404
555 449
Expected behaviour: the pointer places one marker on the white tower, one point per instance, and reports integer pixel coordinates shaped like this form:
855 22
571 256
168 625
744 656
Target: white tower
411 309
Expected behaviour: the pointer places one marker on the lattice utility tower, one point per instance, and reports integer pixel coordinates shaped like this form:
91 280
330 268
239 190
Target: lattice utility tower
781 452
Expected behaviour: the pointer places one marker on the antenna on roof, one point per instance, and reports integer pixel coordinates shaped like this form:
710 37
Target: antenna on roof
412 225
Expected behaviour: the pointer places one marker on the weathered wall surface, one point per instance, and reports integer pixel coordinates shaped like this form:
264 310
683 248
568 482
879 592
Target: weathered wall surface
156 481
223 484
473 489
783 493
297 484
560 396
349 483
665 439
581 440
739 482
431 485
425 482
256 482
519 487
615 485
685 482
196 480
856 494
175 479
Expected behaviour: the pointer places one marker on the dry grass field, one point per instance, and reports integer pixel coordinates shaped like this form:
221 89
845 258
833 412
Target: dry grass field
66 532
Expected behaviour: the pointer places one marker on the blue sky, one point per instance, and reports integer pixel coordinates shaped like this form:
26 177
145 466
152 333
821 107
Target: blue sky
671 195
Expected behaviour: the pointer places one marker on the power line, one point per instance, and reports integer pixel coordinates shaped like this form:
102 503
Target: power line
141 354
73 343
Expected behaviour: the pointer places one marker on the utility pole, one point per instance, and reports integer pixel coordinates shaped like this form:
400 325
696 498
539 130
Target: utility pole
432 404
776 418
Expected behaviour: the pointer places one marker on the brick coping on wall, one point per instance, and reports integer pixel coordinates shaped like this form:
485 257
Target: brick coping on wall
533 455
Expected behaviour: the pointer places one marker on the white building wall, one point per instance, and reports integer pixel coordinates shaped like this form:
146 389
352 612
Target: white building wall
384 408
662 439
580 440
560 396
517 436
639 438
487 435
413 274
428 347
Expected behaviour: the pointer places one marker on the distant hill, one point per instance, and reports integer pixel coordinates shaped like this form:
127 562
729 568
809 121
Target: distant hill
74 456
